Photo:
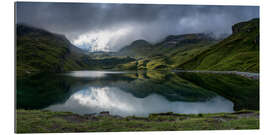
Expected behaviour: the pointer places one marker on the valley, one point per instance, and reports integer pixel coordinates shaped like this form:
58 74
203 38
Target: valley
198 51
192 81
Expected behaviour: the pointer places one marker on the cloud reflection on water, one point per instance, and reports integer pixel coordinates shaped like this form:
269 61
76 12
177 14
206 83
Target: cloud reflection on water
118 102
92 74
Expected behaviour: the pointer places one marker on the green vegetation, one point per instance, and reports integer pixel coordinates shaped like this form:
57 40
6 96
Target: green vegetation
166 58
168 54
36 121
238 52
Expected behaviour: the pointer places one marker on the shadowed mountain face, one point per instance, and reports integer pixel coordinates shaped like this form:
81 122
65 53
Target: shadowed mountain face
41 51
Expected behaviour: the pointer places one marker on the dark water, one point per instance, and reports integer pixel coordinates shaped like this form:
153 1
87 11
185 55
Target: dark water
135 93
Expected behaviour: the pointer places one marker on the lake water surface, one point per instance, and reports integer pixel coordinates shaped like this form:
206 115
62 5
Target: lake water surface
122 93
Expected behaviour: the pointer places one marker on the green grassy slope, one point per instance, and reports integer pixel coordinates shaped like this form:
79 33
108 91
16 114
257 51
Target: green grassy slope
240 51
41 51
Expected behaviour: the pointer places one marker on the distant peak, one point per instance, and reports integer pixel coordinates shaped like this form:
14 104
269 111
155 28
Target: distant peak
140 41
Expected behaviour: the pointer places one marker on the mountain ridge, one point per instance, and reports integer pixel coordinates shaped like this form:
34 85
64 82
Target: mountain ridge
237 52
142 48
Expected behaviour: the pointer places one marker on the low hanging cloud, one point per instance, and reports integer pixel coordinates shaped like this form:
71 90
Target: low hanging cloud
109 27
104 40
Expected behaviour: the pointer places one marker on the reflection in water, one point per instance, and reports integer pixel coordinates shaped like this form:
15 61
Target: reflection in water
92 74
137 93
119 102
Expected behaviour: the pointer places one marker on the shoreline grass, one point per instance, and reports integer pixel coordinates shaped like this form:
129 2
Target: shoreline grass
43 121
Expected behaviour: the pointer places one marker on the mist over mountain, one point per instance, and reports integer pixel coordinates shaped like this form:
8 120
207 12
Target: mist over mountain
110 27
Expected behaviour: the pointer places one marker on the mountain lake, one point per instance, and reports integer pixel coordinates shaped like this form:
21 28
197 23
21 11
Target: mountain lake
138 93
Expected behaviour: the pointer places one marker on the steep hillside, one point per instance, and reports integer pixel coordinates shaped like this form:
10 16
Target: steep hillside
240 51
42 51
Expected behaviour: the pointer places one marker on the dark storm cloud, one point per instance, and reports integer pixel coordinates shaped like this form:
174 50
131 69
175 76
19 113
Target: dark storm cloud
151 22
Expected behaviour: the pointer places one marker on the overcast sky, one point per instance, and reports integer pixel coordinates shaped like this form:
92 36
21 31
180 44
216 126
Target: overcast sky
112 26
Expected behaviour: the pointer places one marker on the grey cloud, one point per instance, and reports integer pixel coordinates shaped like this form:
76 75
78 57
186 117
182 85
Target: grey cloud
152 22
